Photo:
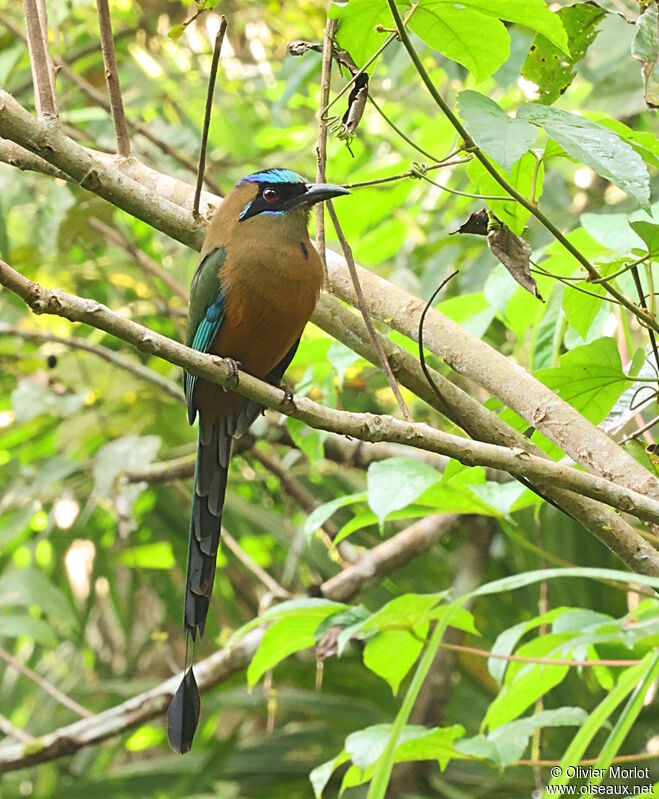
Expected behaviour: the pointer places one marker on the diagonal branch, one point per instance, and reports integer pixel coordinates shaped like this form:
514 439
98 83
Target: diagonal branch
112 78
631 548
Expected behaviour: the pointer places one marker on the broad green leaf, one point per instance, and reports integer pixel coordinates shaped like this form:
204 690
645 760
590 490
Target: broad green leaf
645 48
478 42
415 743
148 556
406 610
644 143
392 653
649 232
548 332
594 145
590 378
525 683
285 636
395 483
611 230
307 607
503 138
581 309
547 66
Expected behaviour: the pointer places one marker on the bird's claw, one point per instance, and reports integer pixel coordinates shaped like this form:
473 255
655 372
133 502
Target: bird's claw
234 372
287 399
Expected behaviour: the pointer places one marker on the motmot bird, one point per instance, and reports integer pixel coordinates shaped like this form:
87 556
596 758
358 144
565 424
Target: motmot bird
253 292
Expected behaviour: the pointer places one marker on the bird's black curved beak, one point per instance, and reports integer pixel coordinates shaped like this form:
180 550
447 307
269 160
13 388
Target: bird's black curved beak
317 192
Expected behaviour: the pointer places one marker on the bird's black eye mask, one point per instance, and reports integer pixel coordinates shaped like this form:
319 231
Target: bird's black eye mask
275 198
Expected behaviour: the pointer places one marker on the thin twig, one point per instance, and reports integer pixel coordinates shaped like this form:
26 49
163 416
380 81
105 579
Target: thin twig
116 237
48 687
78 343
112 78
409 174
321 146
641 297
363 307
43 96
9 729
217 49
640 431
261 574
100 99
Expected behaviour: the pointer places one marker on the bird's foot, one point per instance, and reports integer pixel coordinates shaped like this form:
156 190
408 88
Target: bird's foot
234 371
288 397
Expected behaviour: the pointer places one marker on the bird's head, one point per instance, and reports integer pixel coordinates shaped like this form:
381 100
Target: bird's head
281 194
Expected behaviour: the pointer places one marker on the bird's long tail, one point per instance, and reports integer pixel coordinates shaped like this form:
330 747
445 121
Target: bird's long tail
211 470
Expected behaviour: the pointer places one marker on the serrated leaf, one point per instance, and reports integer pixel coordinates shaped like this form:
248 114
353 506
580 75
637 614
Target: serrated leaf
594 145
503 138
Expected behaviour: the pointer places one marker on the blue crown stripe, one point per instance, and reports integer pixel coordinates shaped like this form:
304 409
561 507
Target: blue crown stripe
274 176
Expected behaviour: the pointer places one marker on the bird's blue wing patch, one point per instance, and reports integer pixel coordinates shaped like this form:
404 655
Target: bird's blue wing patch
205 283
204 336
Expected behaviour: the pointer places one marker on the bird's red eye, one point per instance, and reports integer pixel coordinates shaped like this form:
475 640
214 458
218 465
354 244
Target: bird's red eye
270 195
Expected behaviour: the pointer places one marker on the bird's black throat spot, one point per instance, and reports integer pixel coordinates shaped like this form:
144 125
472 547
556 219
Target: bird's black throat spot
303 247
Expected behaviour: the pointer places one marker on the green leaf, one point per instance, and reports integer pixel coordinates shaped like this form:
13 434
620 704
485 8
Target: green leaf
507 743
581 309
590 378
287 635
148 556
649 232
392 653
19 625
594 145
611 230
503 138
547 66
322 774
366 746
478 42
395 483
307 607
525 683
645 48
321 514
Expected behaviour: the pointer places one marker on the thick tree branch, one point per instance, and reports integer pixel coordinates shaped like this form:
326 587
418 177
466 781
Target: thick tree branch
379 561
467 354
631 548
514 386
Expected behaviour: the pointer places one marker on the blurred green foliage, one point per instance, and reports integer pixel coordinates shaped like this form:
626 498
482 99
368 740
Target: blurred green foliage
92 565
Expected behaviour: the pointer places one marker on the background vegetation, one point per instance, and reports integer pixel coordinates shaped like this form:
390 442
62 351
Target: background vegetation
93 532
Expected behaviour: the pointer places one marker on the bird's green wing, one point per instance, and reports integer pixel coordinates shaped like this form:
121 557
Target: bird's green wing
206 314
